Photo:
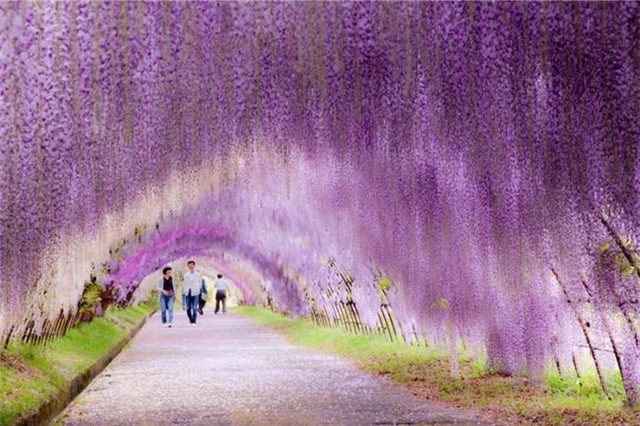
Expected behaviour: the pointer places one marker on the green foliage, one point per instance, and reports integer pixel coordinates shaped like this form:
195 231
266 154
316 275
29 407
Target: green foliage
587 386
624 253
31 374
19 395
384 283
442 303
139 232
564 401
479 366
104 268
153 301
127 317
91 297
373 352
451 387
625 267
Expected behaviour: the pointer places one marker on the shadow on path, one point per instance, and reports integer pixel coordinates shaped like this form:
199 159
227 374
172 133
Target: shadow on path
230 371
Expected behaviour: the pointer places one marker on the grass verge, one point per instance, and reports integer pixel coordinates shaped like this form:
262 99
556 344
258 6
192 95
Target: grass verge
425 372
30 375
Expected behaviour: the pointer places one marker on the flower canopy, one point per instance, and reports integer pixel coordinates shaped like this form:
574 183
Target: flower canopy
484 157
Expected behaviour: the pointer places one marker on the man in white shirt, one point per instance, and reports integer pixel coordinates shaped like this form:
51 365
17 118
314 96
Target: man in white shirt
222 288
191 291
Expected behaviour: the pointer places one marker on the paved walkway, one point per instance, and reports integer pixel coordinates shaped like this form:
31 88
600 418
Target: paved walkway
230 371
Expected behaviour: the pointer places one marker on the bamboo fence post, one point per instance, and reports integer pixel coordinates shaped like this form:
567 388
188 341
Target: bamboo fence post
42 338
625 250
328 317
393 326
54 329
32 335
345 315
614 345
61 320
381 328
27 332
67 323
337 319
557 363
356 321
365 328
352 316
575 364
386 322
50 332
48 335
603 382
8 338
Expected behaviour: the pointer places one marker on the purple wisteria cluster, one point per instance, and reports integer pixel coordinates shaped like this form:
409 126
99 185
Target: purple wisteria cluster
483 157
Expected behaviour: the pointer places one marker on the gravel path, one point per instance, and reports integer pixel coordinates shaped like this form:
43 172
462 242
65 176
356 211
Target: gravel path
230 371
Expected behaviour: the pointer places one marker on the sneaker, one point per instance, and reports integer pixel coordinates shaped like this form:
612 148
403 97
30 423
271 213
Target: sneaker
193 324
164 324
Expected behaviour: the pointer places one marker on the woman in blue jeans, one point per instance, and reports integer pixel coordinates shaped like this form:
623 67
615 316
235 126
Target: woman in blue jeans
166 296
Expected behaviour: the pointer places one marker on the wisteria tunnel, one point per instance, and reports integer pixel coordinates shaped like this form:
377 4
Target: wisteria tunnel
469 172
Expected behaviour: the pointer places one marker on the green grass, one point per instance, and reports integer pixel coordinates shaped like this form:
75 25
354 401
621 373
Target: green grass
425 371
30 374
336 340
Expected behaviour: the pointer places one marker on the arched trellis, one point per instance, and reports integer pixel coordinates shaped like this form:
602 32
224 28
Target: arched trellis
280 288
202 240
491 168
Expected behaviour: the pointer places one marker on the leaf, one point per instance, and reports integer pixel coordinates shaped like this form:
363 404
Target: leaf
384 284
627 269
443 303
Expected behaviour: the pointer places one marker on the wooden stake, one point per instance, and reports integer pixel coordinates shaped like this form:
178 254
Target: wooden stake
631 395
8 338
576 311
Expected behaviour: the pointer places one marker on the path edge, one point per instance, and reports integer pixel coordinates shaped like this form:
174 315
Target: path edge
46 412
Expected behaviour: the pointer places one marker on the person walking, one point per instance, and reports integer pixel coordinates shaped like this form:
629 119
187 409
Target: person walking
222 288
167 294
191 291
204 297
